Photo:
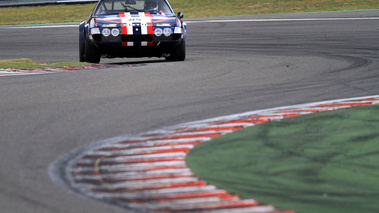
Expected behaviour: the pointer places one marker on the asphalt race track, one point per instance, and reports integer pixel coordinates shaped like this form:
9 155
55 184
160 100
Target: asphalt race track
234 64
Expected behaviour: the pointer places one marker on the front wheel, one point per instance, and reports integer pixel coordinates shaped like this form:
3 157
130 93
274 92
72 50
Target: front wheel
179 53
92 55
81 50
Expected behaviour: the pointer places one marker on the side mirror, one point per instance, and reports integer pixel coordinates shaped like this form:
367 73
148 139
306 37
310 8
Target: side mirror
180 15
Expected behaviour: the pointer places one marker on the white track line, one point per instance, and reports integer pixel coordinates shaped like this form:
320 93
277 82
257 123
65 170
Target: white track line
202 21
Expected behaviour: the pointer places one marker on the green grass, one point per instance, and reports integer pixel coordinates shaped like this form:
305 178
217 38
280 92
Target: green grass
45 14
208 8
63 13
24 63
323 162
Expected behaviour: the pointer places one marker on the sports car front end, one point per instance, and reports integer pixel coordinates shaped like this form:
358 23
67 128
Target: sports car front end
127 31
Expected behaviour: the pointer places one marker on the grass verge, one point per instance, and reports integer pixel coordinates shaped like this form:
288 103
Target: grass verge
60 13
25 63
323 162
210 8
63 13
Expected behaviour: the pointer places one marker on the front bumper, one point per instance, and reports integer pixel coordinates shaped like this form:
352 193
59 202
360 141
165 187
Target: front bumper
136 45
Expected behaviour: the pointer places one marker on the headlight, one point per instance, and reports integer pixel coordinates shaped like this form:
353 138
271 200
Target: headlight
167 31
115 32
94 31
158 31
106 32
178 30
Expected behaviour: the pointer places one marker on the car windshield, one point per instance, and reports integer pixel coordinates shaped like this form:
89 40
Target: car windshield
119 6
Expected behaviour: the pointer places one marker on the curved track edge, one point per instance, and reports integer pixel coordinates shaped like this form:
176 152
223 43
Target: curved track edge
147 172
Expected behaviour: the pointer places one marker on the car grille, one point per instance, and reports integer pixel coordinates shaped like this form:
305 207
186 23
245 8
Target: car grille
126 38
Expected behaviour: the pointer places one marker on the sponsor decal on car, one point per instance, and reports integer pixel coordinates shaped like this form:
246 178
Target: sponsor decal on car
109 25
136 23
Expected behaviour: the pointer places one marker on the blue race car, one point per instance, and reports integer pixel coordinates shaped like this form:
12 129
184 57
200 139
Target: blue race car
132 28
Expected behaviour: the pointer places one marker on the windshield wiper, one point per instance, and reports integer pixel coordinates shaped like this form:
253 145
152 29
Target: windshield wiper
130 7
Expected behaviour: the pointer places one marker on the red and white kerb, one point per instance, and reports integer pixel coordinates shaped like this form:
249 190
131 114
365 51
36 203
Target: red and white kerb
147 172
137 23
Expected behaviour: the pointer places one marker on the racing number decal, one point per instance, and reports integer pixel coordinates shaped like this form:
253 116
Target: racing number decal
138 23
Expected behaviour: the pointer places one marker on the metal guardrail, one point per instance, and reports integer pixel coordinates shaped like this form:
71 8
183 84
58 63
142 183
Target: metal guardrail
8 3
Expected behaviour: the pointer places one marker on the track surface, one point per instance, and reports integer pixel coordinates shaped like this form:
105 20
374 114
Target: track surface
231 67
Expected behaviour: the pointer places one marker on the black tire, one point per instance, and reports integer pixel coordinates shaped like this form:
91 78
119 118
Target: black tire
81 50
92 55
179 53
